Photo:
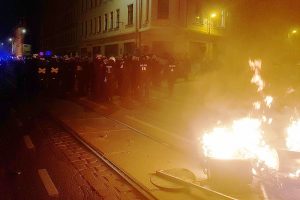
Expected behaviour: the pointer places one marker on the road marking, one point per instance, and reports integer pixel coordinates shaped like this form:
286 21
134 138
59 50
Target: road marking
48 183
157 128
28 142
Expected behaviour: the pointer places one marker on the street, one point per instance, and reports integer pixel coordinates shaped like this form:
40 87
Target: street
40 159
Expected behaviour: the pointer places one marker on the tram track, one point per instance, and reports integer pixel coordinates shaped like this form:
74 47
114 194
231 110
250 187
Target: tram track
62 140
211 194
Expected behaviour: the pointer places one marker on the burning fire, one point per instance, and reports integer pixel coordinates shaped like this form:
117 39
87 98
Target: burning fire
293 143
244 138
295 175
293 136
256 79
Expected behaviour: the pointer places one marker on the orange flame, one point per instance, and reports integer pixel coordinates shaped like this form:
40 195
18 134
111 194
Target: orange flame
293 136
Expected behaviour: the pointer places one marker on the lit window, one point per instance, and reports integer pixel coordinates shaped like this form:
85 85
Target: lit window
130 14
163 9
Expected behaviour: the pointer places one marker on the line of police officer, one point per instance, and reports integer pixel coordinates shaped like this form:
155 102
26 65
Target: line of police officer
102 78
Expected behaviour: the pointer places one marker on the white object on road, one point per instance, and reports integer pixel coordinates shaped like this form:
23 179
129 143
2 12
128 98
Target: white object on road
28 142
48 183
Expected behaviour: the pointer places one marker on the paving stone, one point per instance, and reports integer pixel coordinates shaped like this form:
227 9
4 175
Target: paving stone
80 167
79 162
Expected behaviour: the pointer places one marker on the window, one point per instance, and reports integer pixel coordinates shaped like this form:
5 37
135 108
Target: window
82 5
95 25
98 2
223 19
111 20
91 26
99 24
86 28
105 22
118 18
130 14
163 9
147 10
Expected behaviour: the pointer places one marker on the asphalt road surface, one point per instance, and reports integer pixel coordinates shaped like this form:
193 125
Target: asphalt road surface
39 160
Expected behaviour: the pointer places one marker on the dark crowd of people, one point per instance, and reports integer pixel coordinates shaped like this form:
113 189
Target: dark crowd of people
100 78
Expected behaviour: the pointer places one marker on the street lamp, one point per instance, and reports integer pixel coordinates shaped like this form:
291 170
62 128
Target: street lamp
11 40
210 22
213 15
292 33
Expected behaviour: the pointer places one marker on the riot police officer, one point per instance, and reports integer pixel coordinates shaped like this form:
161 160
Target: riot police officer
42 73
172 74
124 81
99 73
54 75
109 78
144 76
134 75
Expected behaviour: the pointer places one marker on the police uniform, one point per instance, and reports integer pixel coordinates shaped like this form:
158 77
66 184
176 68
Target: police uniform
42 73
54 75
171 75
79 75
143 76
134 74
68 74
109 78
125 79
99 73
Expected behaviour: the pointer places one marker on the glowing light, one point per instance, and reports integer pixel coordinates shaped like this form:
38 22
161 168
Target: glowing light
295 174
24 31
243 140
256 79
213 15
257 105
290 90
293 136
10 39
294 31
48 53
268 100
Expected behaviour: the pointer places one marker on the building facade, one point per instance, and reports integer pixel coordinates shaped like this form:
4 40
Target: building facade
117 27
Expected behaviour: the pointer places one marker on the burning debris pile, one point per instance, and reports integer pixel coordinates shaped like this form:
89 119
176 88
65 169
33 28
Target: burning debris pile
244 138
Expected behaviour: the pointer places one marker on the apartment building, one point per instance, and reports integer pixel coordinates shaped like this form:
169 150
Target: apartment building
117 27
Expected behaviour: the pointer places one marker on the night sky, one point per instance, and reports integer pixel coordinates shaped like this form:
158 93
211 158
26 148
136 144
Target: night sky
13 11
